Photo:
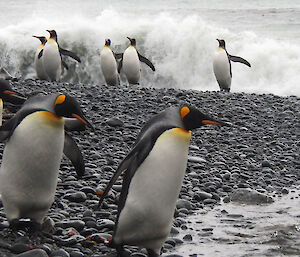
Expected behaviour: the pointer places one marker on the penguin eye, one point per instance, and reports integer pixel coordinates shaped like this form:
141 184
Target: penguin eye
184 111
60 99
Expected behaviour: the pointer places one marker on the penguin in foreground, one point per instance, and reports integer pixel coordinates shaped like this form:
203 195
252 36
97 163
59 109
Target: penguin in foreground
38 62
153 175
109 65
51 57
36 141
130 61
7 94
222 66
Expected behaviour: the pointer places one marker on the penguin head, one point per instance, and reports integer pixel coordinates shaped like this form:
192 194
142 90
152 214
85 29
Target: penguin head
42 39
67 106
53 34
8 94
107 42
221 43
192 118
132 41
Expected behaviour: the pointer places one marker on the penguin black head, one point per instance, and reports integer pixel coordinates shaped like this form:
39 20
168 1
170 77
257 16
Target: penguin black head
192 118
132 41
8 94
67 106
53 34
42 39
107 42
221 43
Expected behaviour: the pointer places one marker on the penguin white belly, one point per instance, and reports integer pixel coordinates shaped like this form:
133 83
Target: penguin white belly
221 67
52 60
146 218
109 66
30 166
131 65
39 67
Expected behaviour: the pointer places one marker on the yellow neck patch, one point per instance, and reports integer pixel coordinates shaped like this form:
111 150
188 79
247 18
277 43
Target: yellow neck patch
60 99
184 111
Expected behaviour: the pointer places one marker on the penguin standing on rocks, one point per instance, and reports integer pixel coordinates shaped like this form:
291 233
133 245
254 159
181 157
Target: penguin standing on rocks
130 62
38 62
52 60
7 94
109 65
36 141
153 175
222 66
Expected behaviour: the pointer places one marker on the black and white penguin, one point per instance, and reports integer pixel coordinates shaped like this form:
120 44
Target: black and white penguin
109 65
52 60
38 62
222 66
36 140
130 62
153 176
7 94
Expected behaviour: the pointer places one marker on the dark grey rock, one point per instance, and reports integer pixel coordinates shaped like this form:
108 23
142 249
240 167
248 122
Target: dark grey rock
34 253
115 122
249 196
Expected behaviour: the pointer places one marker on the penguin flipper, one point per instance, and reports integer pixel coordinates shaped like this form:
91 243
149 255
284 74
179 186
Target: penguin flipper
73 153
64 64
120 65
239 59
70 54
122 167
40 53
145 60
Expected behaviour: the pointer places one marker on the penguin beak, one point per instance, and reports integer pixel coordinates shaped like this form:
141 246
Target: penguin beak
83 120
214 122
14 97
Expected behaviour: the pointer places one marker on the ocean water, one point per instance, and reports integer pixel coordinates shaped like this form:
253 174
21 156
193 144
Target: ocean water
179 36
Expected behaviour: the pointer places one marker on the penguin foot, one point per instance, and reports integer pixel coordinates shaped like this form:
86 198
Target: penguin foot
25 225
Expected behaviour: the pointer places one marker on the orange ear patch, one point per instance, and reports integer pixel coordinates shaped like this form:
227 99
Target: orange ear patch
184 111
60 99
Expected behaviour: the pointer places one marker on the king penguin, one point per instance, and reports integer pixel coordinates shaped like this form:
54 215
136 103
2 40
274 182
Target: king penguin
109 65
52 60
7 94
222 66
36 141
38 62
153 175
130 61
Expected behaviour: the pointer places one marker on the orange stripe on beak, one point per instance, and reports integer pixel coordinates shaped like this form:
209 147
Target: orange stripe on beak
9 92
79 118
210 122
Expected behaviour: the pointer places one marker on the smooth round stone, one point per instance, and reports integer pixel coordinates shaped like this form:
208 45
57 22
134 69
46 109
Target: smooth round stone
34 253
209 201
188 237
182 203
76 254
77 224
285 191
201 195
60 253
78 197
114 122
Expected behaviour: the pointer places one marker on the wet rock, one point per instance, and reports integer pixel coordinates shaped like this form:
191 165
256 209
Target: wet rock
285 191
249 196
77 224
60 253
34 253
196 159
182 203
78 197
115 122
188 237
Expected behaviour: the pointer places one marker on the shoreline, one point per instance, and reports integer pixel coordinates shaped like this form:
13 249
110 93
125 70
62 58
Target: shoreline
260 150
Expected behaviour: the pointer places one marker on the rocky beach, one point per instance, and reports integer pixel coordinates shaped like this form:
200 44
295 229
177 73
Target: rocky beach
254 161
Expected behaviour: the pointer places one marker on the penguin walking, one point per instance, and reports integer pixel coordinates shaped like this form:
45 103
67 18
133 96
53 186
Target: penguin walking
52 60
109 65
222 66
36 141
7 94
153 175
130 61
38 62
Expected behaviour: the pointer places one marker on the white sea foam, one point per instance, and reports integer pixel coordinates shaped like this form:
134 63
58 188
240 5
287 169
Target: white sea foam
181 44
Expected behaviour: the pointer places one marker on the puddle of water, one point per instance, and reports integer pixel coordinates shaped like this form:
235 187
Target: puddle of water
246 230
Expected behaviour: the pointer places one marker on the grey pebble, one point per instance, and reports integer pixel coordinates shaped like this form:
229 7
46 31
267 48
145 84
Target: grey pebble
34 253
